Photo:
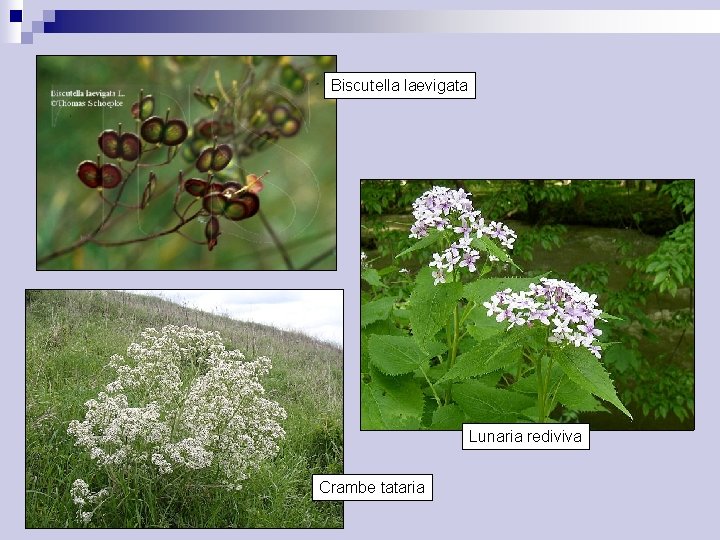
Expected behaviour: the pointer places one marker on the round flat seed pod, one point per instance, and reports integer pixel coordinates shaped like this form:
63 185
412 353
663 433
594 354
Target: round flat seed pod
111 175
242 207
221 157
207 128
287 74
290 127
109 143
196 187
297 86
89 174
235 186
175 132
204 160
214 203
215 187
225 128
129 146
143 110
152 129
259 118
279 115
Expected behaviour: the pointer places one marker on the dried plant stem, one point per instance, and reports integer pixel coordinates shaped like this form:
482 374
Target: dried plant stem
278 244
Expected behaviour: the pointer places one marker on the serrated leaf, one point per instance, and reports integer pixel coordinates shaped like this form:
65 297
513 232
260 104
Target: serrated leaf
487 245
490 355
370 417
377 310
483 327
431 305
484 404
587 372
433 236
391 403
372 276
448 417
576 398
396 355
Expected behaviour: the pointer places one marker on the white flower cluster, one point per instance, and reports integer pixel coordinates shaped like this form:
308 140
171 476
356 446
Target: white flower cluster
443 208
181 401
570 311
82 497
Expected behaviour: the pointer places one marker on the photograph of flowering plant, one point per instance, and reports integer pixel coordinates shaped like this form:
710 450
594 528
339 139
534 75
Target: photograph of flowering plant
142 412
185 163
487 301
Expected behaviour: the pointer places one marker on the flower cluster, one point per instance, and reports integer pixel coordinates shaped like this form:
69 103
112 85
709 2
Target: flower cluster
83 498
181 401
570 311
448 209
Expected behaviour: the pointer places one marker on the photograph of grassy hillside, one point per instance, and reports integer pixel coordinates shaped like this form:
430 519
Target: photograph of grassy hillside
145 413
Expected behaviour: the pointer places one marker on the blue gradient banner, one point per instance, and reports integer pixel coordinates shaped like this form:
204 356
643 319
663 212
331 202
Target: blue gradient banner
384 21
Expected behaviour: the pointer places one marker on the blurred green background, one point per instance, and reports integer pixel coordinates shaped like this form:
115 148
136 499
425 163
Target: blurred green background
299 198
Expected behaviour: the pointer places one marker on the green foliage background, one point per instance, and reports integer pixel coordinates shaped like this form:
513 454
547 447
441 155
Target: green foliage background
650 288
299 196
70 337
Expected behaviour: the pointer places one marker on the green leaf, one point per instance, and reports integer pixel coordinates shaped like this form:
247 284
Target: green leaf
396 355
433 236
377 310
372 276
587 372
484 404
484 327
576 398
490 355
391 403
448 417
431 305
487 245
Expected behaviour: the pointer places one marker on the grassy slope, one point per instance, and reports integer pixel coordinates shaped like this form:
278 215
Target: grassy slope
71 335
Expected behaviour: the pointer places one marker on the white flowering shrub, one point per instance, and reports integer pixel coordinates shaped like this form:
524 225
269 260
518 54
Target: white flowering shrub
85 500
181 402
467 347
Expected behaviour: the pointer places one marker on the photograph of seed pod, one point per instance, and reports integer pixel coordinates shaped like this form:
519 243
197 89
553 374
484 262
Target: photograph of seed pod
185 163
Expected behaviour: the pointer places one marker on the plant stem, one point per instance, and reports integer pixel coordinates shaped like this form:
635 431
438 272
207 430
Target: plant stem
278 244
541 391
437 398
453 348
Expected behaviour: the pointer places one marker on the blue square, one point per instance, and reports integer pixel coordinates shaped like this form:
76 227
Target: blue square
16 15
26 38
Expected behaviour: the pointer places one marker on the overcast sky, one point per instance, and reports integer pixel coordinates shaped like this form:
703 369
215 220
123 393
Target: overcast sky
316 313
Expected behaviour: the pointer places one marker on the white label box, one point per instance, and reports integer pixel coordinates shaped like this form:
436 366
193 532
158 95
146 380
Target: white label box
390 85
372 487
526 437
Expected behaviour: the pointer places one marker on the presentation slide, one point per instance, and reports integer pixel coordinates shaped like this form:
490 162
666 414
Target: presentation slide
349 270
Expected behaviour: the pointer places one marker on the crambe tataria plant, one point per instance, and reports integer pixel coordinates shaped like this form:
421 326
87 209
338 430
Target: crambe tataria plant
180 403
467 347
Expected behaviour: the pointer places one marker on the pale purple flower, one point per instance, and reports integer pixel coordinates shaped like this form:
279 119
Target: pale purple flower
570 312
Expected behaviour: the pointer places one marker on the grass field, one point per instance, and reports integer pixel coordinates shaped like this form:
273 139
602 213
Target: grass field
70 335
